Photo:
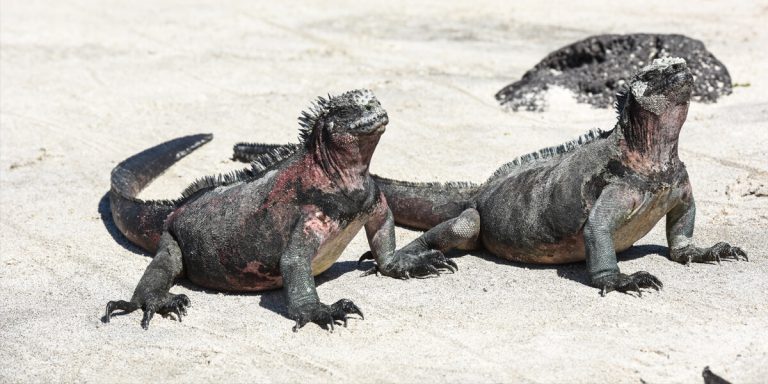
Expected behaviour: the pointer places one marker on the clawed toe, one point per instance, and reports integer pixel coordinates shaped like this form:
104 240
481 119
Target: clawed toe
148 314
176 304
740 253
405 265
628 283
448 264
646 280
325 315
345 307
717 253
372 271
119 305
725 251
365 256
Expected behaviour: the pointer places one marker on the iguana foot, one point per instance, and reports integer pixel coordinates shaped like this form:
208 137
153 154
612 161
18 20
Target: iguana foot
324 315
717 252
625 283
119 305
404 265
163 304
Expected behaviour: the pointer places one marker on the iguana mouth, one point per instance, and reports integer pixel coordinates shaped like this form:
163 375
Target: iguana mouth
370 124
679 84
663 83
682 76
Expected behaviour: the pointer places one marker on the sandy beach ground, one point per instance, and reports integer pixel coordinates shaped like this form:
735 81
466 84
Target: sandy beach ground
85 84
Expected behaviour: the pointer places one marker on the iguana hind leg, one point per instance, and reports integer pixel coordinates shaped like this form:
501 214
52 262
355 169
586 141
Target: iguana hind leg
152 293
460 232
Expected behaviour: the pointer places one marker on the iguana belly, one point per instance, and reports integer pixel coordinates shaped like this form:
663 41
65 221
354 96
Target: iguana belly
649 209
332 248
221 273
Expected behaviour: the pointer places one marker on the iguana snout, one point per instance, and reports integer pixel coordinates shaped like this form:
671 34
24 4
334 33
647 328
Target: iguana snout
663 83
358 112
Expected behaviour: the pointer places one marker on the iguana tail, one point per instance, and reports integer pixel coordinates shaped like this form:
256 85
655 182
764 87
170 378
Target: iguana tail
424 205
142 221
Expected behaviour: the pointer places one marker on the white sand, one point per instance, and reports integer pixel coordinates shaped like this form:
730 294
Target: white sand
84 85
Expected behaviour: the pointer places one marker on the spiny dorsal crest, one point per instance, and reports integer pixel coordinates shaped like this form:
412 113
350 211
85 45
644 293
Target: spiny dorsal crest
258 167
322 106
549 152
622 96
621 99
309 117
430 185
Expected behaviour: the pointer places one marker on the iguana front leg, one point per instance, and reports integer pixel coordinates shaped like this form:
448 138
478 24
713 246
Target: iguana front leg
680 223
407 262
299 285
151 294
608 213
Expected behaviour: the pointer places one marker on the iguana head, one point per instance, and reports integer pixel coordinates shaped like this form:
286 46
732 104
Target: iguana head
654 107
342 131
344 118
661 85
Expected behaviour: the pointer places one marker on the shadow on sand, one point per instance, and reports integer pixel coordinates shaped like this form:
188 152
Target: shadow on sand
572 271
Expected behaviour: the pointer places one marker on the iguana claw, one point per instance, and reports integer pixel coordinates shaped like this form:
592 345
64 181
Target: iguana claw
118 305
365 256
405 265
176 304
627 283
325 315
717 253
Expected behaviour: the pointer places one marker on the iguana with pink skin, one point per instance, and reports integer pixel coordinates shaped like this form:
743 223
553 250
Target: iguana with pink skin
584 200
277 224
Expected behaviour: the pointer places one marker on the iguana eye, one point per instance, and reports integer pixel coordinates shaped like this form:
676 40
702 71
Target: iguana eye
344 112
651 76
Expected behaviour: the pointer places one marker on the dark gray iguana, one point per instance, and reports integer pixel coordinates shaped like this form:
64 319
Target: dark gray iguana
286 218
586 199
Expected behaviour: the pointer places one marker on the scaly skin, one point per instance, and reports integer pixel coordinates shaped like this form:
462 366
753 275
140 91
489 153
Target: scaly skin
585 200
277 224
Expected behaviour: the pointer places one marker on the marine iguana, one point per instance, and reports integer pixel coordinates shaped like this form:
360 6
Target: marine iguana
286 218
584 200
597 67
